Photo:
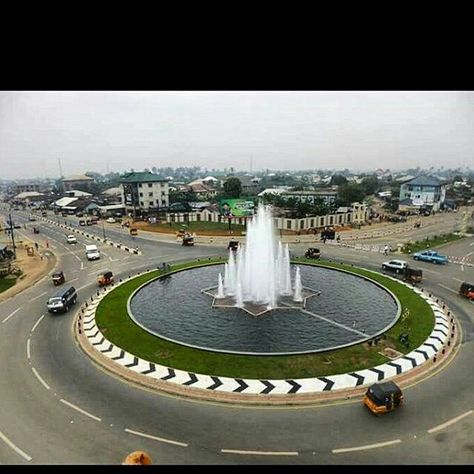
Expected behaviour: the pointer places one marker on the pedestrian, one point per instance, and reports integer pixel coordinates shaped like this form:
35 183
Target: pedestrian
385 250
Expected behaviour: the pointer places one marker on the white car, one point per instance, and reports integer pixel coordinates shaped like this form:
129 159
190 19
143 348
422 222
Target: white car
71 239
396 266
111 220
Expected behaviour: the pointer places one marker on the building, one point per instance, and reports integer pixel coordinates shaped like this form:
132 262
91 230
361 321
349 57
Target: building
144 192
422 192
77 181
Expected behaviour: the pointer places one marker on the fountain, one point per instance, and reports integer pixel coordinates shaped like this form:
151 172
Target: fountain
257 277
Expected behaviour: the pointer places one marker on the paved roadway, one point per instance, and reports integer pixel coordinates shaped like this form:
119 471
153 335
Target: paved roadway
59 408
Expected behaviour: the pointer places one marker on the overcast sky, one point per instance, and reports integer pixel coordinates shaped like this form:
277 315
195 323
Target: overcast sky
116 131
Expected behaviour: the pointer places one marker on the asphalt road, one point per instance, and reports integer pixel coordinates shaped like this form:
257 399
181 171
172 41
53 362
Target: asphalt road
59 408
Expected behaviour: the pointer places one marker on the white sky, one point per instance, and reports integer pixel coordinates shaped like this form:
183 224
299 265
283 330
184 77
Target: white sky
280 130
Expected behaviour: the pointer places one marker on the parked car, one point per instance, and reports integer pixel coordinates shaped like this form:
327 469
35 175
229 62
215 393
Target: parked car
430 256
467 290
111 220
397 266
71 239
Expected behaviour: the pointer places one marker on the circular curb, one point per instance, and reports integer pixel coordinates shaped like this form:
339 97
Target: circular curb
437 350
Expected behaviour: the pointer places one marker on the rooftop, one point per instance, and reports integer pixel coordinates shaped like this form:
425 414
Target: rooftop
424 181
140 177
78 177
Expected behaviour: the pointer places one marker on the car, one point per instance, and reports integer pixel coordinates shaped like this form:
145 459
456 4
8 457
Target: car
62 300
397 266
32 218
467 290
111 220
71 239
82 222
430 256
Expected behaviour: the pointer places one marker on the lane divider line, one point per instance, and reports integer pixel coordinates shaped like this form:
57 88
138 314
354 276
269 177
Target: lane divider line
46 386
39 296
14 447
28 354
84 412
10 315
450 422
260 453
447 288
37 322
367 446
156 438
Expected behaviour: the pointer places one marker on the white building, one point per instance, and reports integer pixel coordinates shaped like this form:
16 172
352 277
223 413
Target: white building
143 191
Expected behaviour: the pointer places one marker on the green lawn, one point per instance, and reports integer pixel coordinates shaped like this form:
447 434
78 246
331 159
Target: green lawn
430 242
6 283
208 228
113 320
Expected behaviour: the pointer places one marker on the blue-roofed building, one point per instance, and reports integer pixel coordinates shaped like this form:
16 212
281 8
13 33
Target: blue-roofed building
422 192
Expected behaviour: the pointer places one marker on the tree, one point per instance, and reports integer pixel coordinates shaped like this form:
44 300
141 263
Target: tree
233 188
338 179
349 193
370 184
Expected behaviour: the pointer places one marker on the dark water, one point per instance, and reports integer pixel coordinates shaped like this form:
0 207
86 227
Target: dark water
176 309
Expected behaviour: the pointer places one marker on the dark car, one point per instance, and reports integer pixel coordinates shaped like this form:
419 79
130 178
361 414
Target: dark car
62 300
312 253
467 290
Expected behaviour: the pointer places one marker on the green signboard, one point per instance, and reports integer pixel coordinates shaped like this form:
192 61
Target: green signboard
236 208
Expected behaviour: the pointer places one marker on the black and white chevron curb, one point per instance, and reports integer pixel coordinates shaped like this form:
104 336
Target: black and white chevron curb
94 237
441 335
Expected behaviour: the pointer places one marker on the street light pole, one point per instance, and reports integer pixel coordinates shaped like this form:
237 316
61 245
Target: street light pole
103 228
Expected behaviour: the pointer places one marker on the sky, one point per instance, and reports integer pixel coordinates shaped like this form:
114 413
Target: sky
292 130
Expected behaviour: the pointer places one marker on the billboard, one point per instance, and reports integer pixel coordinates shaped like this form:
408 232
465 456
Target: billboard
236 208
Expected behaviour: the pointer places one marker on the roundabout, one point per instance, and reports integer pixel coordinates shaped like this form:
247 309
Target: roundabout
132 352
88 415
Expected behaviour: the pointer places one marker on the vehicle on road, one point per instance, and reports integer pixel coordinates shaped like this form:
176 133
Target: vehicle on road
467 290
430 256
44 213
111 220
58 278
133 231
71 239
32 218
105 278
328 234
413 275
313 252
82 222
188 240
36 230
383 397
233 245
94 220
92 252
397 266
62 300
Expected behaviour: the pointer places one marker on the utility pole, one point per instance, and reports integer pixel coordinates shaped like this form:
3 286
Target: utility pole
60 169
103 228
11 233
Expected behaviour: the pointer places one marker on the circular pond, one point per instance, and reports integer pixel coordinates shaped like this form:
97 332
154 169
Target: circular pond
348 310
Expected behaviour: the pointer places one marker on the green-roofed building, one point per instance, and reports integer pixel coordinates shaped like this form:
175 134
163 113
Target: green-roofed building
144 192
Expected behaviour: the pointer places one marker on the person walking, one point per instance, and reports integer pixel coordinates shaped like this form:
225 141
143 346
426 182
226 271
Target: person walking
385 250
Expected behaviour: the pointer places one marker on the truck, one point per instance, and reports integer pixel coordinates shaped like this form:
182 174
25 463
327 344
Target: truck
92 252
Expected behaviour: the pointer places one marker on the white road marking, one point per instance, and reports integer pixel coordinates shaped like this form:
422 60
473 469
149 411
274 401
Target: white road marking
82 265
447 288
37 322
450 422
469 254
462 268
79 260
260 453
75 279
367 446
14 447
96 272
144 435
10 315
39 378
39 296
457 279
28 354
80 410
